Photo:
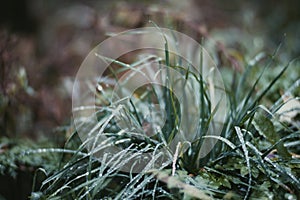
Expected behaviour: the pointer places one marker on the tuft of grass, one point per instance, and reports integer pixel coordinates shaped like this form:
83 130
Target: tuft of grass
256 155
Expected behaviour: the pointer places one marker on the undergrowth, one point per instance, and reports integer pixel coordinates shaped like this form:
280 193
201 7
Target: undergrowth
256 155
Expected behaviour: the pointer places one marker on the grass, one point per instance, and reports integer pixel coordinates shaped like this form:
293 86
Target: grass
256 155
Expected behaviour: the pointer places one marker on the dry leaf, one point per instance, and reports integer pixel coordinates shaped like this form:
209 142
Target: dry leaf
289 110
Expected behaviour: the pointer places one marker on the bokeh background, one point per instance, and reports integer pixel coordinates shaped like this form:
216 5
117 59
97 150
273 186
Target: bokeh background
42 44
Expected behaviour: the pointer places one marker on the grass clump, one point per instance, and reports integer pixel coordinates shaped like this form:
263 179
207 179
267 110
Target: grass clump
256 155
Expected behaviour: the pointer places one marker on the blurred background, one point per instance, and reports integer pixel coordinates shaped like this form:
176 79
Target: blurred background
42 44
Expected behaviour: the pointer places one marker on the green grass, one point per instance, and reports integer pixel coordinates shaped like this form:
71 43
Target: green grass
256 156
